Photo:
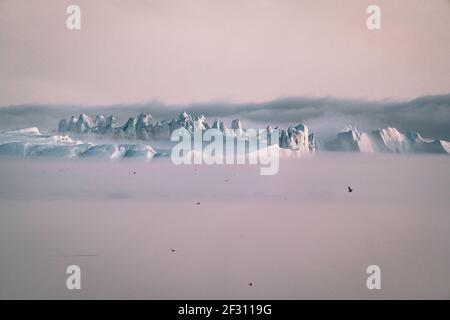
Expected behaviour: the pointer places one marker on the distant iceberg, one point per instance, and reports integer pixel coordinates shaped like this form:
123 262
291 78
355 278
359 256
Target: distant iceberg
387 140
79 136
29 142
296 138
145 128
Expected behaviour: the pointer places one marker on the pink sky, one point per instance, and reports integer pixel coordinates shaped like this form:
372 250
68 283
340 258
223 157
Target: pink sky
182 51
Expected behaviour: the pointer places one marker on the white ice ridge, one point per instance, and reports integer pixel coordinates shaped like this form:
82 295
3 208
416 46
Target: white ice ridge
71 140
29 142
387 140
295 138
145 128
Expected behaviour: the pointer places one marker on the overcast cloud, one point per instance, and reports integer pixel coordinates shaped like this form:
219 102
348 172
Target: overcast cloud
180 51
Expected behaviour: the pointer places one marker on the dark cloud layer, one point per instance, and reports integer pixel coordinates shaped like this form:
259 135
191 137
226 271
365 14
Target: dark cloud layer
429 115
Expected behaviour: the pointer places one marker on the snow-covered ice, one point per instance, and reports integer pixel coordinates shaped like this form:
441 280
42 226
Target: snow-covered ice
29 142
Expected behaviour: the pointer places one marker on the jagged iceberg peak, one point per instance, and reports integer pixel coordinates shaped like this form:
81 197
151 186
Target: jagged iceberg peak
143 126
184 120
390 133
129 127
63 125
84 123
184 116
350 140
418 144
296 138
222 126
215 124
236 124
200 123
201 118
85 118
110 126
389 140
302 127
81 124
72 125
236 127
144 120
99 121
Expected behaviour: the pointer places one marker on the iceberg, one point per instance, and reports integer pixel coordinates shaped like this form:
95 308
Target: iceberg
29 142
386 140
351 140
296 137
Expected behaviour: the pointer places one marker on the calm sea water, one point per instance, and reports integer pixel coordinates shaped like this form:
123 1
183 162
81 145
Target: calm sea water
297 234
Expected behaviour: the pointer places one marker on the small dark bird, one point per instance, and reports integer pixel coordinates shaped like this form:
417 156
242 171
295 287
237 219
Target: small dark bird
173 250
134 172
350 189
250 284
198 203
